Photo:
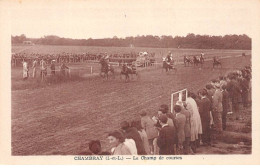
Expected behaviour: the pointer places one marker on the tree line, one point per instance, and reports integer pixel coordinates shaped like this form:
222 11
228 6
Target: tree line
242 42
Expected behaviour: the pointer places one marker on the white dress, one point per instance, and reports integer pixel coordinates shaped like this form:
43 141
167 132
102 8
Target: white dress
25 70
196 127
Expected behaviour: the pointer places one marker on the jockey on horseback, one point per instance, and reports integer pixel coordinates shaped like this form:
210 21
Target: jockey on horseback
169 58
201 57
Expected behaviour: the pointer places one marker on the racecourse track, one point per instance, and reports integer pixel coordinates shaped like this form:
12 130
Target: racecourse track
61 119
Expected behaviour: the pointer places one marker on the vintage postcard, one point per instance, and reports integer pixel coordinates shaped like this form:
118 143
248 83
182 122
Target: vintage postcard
129 82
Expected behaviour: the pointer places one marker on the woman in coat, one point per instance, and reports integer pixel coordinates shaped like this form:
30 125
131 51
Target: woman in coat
148 125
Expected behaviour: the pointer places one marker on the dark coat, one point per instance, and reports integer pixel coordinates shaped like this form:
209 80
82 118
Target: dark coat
225 101
180 121
205 114
166 140
132 133
187 123
234 91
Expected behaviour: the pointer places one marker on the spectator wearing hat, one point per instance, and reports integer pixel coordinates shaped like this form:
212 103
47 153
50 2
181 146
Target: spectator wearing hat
132 133
222 81
196 127
245 91
187 127
143 135
180 121
205 117
34 68
63 68
25 70
234 91
148 125
217 108
43 66
53 67
225 104
164 109
117 139
167 137
95 148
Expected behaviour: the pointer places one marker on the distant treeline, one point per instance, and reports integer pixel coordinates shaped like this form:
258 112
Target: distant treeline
190 41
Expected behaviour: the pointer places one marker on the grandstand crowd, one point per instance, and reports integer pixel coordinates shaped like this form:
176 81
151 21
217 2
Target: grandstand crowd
18 58
197 121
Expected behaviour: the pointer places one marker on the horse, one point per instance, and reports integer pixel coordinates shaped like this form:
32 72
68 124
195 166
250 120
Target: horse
168 65
216 63
187 61
126 70
106 68
197 61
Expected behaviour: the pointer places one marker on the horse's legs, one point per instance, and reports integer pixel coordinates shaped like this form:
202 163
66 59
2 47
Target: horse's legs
126 77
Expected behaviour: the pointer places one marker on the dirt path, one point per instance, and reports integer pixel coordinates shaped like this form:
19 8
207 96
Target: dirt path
62 118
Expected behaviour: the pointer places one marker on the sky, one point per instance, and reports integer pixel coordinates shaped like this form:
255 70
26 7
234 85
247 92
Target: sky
105 19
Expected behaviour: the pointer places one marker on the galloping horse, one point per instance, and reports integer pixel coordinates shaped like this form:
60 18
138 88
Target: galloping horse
106 68
216 62
197 61
168 65
187 61
126 70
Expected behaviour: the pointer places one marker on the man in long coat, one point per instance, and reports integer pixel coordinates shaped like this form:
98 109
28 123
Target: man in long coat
196 127
205 108
234 91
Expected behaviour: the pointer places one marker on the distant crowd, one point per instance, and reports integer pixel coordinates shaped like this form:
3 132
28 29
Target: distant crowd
197 121
18 58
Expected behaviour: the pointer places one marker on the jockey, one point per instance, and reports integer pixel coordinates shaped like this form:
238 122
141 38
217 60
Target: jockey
169 57
202 56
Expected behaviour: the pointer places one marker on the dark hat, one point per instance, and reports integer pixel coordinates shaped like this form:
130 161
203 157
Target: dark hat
95 146
163 118
124 125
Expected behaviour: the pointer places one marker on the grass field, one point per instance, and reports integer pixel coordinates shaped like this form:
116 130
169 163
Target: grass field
61 119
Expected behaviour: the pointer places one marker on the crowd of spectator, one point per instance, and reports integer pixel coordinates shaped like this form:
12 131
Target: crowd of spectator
18 58
197 121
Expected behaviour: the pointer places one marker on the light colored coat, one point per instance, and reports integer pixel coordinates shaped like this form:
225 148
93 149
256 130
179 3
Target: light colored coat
145 141
130 143
25 70
196 127
217 101
121 149
148 125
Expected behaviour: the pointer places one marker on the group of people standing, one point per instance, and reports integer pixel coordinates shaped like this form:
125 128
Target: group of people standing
40 67
197 121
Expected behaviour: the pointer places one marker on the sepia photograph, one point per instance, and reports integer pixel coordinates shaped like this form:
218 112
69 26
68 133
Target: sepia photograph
92 79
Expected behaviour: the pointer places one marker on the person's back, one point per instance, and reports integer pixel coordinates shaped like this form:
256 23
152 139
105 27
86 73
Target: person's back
187 122
234 90
205 108
130 143
217 100
180 125
225 100
145 141
133 134
166 140
148 125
